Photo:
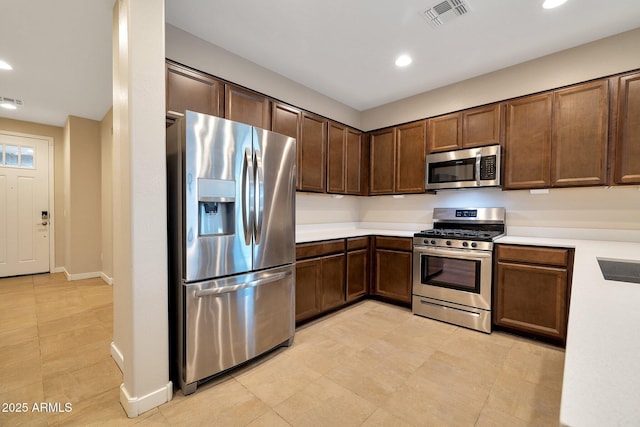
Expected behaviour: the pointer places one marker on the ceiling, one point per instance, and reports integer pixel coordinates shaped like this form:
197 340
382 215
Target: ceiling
61 51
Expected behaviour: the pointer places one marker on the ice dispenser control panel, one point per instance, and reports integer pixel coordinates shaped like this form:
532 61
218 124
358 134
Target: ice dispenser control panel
216 207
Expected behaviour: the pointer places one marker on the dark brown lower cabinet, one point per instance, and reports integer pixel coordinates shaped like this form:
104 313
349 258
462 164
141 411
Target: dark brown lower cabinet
393 257
357 267
320 277
532 290
308 287
333 273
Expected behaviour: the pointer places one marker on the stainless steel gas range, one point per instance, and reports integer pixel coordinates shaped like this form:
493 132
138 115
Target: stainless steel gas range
452 266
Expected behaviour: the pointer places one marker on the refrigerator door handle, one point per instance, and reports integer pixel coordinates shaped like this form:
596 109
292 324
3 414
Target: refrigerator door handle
259 196
242 285
247 196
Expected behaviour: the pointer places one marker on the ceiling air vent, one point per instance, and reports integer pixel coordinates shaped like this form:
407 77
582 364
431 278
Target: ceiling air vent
445 11
10 103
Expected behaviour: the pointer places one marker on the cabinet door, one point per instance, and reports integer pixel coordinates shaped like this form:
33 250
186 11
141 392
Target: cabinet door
357 273
191 90
354 163
245 106
445 133
482 126
531 299
579 135
382 161
627 157
336 158
313 153
333 286
411 153
528 142
308 288
286 120
393 275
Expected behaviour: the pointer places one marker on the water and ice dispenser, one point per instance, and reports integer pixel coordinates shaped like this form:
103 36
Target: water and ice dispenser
216 207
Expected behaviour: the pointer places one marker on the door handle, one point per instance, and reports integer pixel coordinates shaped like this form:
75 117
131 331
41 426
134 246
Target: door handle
244 285
259 196
247 196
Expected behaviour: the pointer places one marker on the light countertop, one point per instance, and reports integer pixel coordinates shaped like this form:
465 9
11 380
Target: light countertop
316 232
601 384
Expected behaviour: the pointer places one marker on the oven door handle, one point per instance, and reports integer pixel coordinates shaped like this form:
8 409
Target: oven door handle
453 252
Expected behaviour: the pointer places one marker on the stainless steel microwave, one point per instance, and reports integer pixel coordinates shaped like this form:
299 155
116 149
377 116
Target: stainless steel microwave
466 168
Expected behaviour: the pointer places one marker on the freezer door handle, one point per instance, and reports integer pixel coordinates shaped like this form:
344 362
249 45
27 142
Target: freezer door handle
242 285
247 196
259 196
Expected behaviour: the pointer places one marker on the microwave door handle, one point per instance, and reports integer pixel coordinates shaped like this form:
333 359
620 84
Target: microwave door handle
478 161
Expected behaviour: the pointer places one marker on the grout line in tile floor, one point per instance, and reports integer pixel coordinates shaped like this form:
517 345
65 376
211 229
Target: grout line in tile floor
371 364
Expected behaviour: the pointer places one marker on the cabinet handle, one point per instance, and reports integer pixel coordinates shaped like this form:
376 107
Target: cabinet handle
175 113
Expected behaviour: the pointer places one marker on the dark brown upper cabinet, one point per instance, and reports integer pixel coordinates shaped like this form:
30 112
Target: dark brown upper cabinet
345 158
245 106
382 146
397 159
579 135
312 148
445 133
287 121
474 127
626 166
558 139
527 154
411 152
187 89
482 126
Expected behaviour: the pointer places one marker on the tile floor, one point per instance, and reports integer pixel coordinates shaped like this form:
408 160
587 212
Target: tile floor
372 364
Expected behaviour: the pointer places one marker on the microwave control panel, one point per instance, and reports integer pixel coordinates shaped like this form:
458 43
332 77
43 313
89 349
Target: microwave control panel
488 167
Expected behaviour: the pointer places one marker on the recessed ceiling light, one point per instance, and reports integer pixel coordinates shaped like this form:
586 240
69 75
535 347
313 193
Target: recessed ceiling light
550 4
403 60
5 65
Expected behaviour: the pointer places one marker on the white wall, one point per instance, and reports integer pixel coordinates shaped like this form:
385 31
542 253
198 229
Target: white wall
189 50
604 57
140 286
600 207
325 209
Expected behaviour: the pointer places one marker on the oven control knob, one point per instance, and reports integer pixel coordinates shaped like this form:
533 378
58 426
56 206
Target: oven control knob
433 242
465 244
474 244
425 241
448 242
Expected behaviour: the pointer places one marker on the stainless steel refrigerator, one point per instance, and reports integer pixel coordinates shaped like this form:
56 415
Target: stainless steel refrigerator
231 210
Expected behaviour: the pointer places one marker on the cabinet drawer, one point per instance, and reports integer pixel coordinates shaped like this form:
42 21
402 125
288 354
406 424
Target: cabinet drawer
357 243
315 249
397 243
533 255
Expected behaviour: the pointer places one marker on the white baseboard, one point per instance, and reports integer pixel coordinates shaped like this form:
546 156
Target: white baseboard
80 276
108 280
58 270
116 354
135 406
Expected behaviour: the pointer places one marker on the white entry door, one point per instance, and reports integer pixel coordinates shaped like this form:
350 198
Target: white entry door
24 205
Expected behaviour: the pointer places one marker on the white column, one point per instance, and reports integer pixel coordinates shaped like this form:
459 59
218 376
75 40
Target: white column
140 344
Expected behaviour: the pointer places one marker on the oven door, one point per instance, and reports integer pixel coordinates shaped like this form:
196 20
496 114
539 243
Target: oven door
459 276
